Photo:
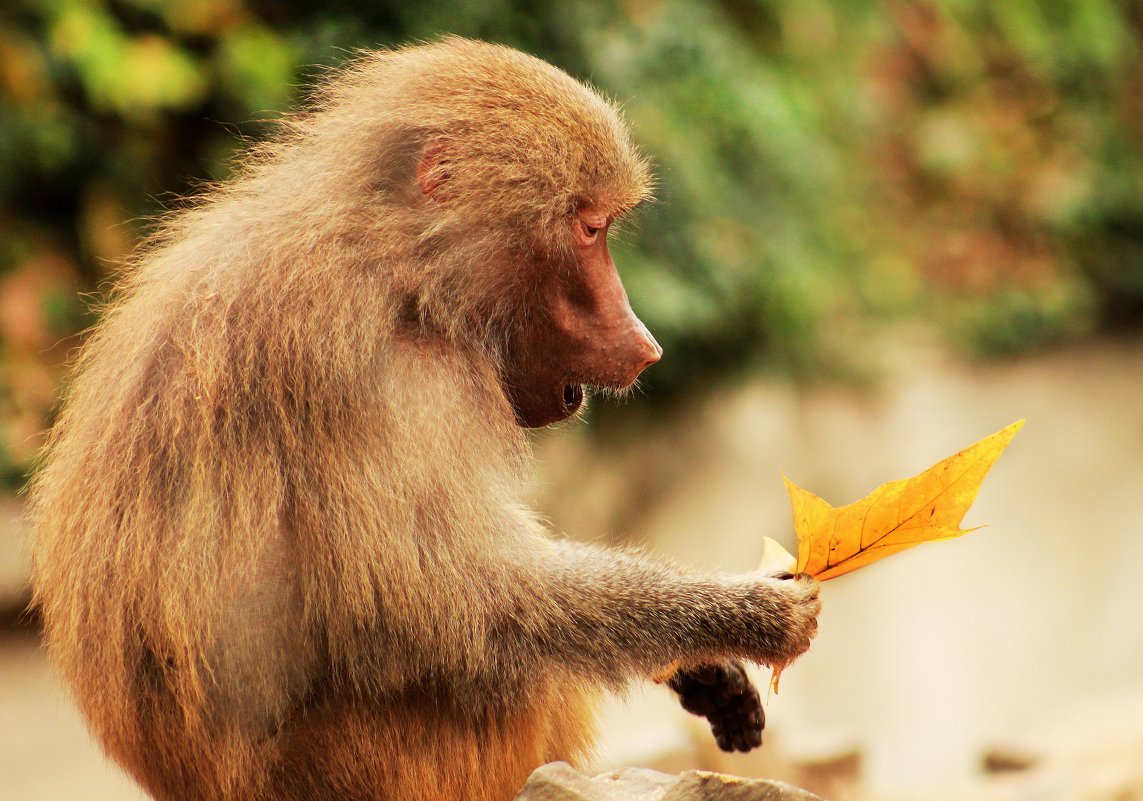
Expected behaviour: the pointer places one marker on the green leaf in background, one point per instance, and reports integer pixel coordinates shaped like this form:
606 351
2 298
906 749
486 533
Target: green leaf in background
257 66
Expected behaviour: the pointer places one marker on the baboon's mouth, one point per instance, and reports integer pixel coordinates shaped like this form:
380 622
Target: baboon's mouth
573 397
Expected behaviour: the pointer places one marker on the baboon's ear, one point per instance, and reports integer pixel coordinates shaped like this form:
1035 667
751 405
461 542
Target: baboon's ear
434 170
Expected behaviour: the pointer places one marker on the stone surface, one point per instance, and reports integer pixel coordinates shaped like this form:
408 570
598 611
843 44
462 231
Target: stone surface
559 781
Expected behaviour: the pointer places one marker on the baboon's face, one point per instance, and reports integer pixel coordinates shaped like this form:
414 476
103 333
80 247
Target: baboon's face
584 334
573 325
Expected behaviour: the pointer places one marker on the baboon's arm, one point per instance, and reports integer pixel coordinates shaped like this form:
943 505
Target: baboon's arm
612 613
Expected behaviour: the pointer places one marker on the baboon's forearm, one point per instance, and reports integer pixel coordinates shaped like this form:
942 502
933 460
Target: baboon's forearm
613 614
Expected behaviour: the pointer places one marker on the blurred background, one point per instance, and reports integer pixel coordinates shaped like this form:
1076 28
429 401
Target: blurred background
885 229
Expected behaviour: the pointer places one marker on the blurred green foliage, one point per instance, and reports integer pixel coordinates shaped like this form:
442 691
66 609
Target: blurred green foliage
832 173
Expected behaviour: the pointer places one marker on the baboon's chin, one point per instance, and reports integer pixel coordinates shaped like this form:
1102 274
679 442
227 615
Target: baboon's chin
546 405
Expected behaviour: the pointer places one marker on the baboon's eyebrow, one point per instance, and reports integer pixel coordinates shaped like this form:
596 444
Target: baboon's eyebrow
640 203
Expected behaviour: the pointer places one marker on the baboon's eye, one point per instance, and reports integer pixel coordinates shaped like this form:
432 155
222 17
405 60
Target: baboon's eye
587 229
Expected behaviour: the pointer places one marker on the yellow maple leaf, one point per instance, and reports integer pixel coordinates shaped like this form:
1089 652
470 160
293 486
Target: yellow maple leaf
895 516
898 515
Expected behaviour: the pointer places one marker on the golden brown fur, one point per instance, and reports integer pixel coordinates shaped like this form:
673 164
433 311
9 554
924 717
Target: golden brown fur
279 546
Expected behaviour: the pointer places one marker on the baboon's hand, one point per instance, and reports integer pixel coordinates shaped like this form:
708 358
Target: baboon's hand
723 694
794 607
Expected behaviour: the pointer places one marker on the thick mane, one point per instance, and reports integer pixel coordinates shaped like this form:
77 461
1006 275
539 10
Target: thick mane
259 366
279 545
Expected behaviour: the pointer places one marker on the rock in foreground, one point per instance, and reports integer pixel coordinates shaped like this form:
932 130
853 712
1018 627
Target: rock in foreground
559 781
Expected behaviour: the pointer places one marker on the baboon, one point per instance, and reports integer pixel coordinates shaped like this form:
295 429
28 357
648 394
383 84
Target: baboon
279 546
